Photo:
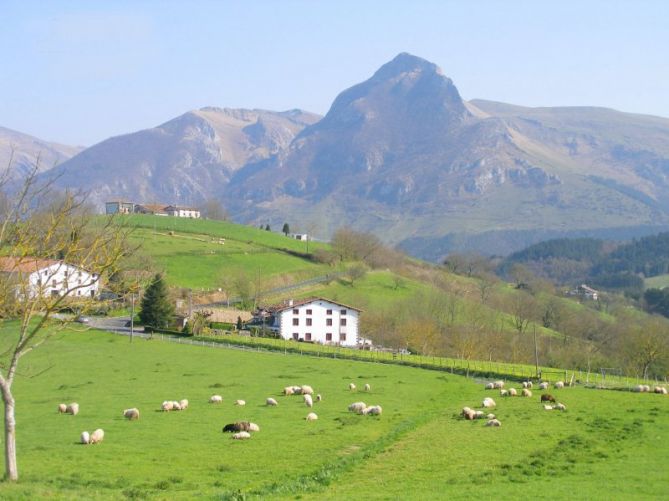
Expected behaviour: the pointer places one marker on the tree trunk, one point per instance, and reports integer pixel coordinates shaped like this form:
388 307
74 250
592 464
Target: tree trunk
11 467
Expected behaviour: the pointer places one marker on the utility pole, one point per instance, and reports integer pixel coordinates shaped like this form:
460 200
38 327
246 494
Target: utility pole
536 352
132 316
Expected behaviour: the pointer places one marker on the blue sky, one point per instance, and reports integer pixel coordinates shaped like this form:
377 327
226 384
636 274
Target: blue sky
78 72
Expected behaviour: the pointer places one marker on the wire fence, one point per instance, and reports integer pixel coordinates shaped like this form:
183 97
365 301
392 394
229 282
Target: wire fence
475 369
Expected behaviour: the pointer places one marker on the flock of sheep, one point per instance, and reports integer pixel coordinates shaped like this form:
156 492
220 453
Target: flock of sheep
644 388
526 391
240 429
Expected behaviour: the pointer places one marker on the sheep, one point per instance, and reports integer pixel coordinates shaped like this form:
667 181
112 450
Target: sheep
62 408
85 437
558 385
167 406
660 389
488 402
97 436
239 426
498 385
131 414
73 409
526 393
351 386
215 399
494 422
646 388
308 401
469 414
306 390
240 402
368 387
546 397
319 398
490 416
490 386
479 415
176 405
271 402
513 392
503 393
311 416
288 390
374 410
242 435
254 427
560 407
357 407
184 404
548 407
527 384
543 385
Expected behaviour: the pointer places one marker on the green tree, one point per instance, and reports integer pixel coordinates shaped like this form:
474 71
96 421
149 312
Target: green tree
285 229
240 325
157 310
267 228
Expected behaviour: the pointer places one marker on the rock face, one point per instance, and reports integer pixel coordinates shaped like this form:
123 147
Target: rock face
24 151
185 160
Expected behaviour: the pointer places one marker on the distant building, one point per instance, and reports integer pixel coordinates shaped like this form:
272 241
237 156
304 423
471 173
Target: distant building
179 211
317 320
585 292
155 209
299 236
46 277
119 207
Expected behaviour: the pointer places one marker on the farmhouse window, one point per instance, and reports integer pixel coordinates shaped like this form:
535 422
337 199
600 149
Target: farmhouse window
296 336
328 336
53 283
328 322
296 311
308 312
296 321
342 336
78 293
307 336
343 312
328 312
342 322
308 321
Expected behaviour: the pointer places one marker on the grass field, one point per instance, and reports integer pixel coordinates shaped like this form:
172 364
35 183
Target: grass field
658 282
607 445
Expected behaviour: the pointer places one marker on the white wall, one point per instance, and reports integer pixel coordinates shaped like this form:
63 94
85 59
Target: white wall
319 328
59 277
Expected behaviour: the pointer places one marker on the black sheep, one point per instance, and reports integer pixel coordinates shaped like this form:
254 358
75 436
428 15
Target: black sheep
547 398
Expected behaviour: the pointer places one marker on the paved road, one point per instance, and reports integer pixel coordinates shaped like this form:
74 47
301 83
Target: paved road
114 324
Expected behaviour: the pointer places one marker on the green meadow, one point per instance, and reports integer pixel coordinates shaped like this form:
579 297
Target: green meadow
607 445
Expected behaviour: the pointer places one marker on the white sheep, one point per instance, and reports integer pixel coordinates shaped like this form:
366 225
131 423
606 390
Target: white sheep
73 409
513 392
548 407
176 405
526 393
242 435
560 407
308 401
490 386
254 427
183 404
368 387
319 398
357 407
215 399
559 385
240 402
97 436
646 388
503 393
288 390
271 402
494 422
306 390
374 410
543 385
131 414
488 402
527 384
167 405
660 389
351 386
479 414
311 416
498 385
62 408
490 416
85 437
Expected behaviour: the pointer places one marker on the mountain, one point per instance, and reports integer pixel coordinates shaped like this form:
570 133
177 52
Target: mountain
22 151
402 155
184 160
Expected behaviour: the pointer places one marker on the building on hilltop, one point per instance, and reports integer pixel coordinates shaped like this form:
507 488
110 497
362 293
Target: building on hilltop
316 320
154 209
119 207
180 211
585 292
35 277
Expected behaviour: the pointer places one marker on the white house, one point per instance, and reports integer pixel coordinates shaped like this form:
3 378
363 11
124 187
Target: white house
318 320
46 277
299 236
178 211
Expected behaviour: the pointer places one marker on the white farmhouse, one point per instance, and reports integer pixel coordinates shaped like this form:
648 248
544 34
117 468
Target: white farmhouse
46 277
318 320
179 211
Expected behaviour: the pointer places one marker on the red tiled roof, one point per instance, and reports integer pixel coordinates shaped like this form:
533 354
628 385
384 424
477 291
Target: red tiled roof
301 302
24 264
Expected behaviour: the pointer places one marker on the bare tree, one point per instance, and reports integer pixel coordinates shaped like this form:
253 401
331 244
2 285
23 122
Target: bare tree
213 209
32 231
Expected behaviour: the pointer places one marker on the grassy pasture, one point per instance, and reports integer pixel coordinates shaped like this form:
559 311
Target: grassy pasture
606 445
